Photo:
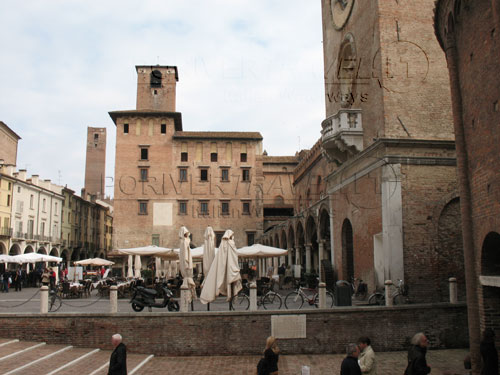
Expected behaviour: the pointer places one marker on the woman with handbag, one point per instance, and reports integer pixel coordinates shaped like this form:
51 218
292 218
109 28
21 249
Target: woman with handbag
269 364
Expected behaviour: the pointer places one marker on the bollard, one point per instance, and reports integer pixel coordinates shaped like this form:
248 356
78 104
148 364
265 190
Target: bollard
113 299
253 297
453 290
184 298
388 293
322 295
44 299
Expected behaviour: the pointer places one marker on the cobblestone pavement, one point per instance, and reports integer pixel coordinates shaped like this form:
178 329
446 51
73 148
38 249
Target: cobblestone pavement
84 361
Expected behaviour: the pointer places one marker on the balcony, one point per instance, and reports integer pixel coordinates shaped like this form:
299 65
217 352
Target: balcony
5 232
342 135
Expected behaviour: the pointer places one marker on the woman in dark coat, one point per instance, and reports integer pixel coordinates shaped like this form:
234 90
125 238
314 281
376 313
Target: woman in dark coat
269 365
489 353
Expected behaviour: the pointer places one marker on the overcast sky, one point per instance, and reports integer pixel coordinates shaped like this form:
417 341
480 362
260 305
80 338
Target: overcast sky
243 66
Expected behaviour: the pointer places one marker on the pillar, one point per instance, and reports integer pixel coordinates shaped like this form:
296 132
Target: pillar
184 298
321 254
322 296
453 290
44 299
388 293
253 297
113 299
308 258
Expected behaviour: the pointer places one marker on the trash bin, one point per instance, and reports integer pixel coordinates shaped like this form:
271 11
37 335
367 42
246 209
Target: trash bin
342 295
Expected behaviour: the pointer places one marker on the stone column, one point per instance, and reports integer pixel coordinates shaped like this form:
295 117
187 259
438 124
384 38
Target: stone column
113 299
388 293
184 299
453 290
290 261
253 297
322 295
321 254
44 299
308 258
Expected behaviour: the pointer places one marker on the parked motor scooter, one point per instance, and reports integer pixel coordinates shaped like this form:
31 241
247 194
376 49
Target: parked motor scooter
144 297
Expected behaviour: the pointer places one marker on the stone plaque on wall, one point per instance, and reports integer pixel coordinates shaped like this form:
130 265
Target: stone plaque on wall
288 326
162 214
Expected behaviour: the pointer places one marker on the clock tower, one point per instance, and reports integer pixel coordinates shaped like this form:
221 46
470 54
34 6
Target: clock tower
156 87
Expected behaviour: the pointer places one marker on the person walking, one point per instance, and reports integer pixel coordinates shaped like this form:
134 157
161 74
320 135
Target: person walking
281 275
489 353
350 364
367 362
6 277
417 364
118 359
18 277
269 364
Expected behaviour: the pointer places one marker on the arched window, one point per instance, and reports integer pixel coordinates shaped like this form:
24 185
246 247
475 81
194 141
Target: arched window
156 78
347 250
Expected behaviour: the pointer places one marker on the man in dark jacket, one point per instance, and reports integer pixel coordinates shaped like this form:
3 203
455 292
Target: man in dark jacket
350 364
417 365
118 359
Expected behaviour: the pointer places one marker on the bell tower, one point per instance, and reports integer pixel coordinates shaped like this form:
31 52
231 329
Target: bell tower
156 87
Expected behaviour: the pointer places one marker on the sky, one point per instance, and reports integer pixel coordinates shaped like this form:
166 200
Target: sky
243 66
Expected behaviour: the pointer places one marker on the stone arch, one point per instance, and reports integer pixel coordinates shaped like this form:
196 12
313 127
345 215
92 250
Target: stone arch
3 249
75 255
42 250
449 252
65 255
490 266
28 249
15 249
54 252
324 233
346 70
308 198
347 250
102 256
276 240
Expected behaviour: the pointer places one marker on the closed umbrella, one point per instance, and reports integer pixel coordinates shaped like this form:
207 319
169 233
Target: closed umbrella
130 272
208 249
224 274
137 267
158 267
186 262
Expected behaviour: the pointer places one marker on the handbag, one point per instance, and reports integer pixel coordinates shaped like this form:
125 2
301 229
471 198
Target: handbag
10 280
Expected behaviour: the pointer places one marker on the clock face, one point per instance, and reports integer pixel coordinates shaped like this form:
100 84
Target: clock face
341 10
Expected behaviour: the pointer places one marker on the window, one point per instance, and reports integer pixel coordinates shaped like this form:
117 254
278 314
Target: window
184 151
225 207
144 174
31 201
183 173
10 185
250 238
246 208
225 174
245 175
42 228
155 240
8 200
229 151
144 154
199 151
143 207
203 174
44 204
218 238
125 128
213 152
203 207
19 189
182 207
243 153
96 137
155 78
55 206
163 128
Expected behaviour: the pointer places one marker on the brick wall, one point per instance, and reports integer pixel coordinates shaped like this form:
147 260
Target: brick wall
204 333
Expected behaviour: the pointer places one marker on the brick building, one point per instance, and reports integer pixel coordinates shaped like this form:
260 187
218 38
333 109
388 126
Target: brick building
468 32
166 177
386 157
8 145
95 162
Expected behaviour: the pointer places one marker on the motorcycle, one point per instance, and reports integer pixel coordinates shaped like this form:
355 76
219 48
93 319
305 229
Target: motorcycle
144 297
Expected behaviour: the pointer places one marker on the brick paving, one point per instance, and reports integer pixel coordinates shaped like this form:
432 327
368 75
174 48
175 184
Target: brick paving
389 363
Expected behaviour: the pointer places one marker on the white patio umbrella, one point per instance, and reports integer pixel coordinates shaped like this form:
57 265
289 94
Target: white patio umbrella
130 272
36 257
95 262
208 249
186 262
260 251
224 274
151 250
8 259
137 267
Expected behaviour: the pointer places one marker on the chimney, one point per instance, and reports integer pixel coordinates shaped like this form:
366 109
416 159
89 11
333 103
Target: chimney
35 180
21 174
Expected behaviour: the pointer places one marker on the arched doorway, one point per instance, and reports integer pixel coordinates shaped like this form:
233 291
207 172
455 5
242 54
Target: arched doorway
450 253
490 278
54 252
3 249
347 251
15 249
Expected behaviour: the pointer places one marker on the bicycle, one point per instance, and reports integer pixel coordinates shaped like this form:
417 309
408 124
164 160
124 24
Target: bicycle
55 300
399 297
269 300
298 296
